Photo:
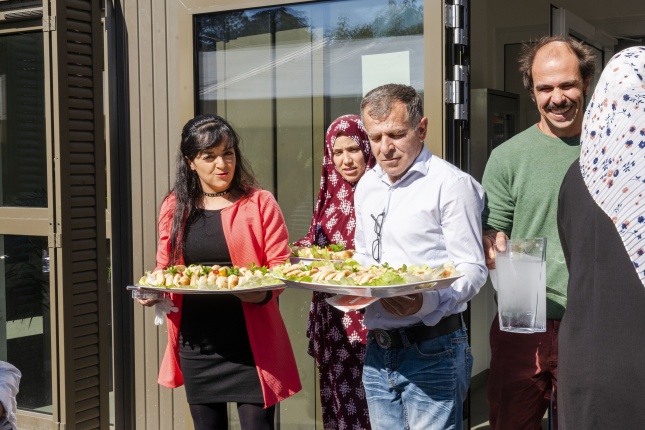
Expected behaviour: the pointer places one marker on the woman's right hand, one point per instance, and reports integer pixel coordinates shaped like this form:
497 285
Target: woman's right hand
147 298
148 302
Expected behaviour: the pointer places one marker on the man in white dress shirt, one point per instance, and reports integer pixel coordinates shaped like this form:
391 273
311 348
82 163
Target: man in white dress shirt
415 208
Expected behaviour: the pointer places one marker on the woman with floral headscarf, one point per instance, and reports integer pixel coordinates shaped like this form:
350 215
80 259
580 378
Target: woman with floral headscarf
337 339
601 220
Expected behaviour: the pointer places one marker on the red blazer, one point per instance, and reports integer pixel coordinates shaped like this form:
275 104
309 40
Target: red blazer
255 232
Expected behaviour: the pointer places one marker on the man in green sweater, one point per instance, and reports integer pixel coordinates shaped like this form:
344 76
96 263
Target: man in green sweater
522 180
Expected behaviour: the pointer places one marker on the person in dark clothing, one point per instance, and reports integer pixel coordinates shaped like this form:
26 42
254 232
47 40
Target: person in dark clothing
601 222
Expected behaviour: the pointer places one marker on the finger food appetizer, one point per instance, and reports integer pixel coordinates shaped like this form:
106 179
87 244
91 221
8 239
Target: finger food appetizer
330 252
214 277
350 273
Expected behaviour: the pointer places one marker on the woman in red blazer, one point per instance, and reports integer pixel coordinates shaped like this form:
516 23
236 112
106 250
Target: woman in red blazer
224 347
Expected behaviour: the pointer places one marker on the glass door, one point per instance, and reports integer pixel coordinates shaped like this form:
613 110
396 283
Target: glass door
25 317
281 75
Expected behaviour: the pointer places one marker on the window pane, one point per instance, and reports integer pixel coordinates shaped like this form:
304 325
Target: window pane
280 75
23 168
25 329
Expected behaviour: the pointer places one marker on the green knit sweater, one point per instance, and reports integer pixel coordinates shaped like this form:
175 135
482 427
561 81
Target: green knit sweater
522 182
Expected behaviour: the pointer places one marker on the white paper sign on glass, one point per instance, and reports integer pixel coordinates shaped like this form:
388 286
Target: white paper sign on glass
388 68
521 285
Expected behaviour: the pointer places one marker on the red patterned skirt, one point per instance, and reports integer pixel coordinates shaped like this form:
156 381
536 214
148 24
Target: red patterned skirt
337 343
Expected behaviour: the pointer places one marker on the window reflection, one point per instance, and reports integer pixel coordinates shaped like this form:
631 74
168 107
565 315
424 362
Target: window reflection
25 330
280 75
23 169
241 56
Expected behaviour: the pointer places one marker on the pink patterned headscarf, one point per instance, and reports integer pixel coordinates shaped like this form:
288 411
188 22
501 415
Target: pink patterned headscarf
612 157
333 221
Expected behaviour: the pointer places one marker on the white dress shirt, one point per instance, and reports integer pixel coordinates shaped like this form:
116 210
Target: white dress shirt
431 215
9 380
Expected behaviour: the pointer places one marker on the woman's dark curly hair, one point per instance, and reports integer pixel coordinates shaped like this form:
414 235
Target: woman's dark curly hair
199 134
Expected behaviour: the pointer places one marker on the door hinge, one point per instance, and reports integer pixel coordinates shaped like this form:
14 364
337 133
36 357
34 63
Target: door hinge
458 73
456 19
54 240
453 92
452 16
49 23
457 98
456 91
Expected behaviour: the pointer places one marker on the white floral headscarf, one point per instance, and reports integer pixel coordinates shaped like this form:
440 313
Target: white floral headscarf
612 158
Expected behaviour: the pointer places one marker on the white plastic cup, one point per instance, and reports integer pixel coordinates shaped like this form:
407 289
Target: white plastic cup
521 285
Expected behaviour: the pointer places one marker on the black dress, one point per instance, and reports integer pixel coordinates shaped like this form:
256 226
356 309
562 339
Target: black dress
601 369
214 350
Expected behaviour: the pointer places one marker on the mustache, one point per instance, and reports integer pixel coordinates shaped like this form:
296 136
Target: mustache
563 105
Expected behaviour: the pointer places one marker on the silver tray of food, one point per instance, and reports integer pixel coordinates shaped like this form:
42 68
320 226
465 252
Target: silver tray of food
200 279
194 290
373 291
304 260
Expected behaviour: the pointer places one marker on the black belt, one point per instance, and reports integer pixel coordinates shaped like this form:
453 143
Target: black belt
392 338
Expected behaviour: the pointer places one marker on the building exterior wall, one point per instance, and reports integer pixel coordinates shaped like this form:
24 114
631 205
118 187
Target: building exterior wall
161 99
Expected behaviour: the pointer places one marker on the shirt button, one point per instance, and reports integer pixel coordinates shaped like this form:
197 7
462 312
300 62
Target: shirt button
378 315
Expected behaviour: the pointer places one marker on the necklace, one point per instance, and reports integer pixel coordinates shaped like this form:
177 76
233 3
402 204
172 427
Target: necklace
218 194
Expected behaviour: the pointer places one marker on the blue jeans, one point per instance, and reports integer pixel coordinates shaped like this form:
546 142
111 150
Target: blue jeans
421 386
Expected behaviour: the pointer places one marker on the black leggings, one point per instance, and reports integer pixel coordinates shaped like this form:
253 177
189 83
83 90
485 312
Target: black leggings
214 416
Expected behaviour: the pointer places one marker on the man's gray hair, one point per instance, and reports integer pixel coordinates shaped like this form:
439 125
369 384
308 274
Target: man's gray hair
379 101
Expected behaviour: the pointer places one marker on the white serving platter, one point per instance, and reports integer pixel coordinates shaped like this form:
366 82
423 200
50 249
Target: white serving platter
179 290
369 291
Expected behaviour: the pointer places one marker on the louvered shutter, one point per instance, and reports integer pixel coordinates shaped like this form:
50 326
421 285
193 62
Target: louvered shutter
80 192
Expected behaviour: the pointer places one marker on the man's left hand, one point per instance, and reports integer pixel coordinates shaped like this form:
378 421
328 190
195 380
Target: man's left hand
403 306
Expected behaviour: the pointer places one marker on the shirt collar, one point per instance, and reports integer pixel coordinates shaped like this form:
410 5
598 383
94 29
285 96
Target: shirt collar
421 165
